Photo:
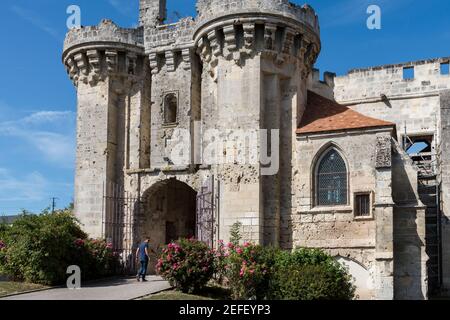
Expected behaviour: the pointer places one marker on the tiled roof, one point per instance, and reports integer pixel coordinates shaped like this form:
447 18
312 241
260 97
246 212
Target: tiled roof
324 115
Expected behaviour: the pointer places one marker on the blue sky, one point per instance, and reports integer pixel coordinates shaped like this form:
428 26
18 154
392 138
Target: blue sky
38 102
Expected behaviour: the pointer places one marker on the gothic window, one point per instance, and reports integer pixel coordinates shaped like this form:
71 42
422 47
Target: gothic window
170 108
331 180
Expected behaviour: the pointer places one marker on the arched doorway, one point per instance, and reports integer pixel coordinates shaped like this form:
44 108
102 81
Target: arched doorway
169 213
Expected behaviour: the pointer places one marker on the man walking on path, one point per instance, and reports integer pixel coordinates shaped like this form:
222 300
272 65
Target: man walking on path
142 253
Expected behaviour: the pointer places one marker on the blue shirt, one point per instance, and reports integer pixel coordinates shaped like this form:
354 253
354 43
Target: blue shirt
142 253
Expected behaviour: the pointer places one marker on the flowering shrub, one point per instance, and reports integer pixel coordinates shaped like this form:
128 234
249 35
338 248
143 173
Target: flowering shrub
247 270
39 248
255 272
2 254
187 264
97 257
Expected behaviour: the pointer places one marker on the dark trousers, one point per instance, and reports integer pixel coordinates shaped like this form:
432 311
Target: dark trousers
143 271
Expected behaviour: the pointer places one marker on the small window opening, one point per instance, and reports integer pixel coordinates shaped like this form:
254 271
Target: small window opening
408 73
362 205
170 108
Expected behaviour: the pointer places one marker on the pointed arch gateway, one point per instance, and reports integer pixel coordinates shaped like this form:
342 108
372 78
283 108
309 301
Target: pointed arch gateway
331 179
169 212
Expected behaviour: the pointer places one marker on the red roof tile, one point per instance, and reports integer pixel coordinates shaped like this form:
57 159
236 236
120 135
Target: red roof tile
324 115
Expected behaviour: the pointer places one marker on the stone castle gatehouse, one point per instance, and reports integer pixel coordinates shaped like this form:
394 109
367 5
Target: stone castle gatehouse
362 160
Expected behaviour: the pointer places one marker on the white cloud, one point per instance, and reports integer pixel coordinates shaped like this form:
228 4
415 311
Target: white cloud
47 116
31 187
122 6
57 146
35 21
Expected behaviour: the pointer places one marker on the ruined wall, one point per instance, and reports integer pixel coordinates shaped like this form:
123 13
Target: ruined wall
366 240
411 102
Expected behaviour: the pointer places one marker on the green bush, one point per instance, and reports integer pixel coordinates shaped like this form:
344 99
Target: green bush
247 270
308 274
39 248
187 264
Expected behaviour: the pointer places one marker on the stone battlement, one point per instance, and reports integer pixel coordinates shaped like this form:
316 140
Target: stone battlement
212 9
178 34
105 31
389 81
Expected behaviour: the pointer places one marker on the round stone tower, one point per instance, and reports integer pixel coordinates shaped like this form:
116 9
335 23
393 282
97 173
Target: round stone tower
256 57
107 65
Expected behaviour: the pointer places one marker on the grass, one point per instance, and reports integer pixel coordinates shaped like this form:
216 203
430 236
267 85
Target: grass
209 293
9 287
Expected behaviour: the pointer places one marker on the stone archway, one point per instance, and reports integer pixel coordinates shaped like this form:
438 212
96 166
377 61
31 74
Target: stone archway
362 278
169 213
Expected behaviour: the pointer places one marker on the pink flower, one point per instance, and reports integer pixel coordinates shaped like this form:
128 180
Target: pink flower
247 244
239 250
79 242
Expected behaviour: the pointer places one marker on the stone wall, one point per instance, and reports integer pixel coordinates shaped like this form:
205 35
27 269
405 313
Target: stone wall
381 92
367 240
410 269
445 185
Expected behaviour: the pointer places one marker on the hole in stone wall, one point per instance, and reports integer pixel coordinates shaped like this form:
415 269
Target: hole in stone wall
220 38
279 35
239 28
408 73
161 59
170 108
297 44
445 68
178 58
121 57
259 35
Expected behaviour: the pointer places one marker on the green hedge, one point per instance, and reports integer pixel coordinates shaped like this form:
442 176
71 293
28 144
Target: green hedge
308 274
39 248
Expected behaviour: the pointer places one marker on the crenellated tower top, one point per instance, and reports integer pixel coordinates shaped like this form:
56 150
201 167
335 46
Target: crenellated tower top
95 52
210 10
276 29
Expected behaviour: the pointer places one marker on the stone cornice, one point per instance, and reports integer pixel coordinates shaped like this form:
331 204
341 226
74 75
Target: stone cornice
272 37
